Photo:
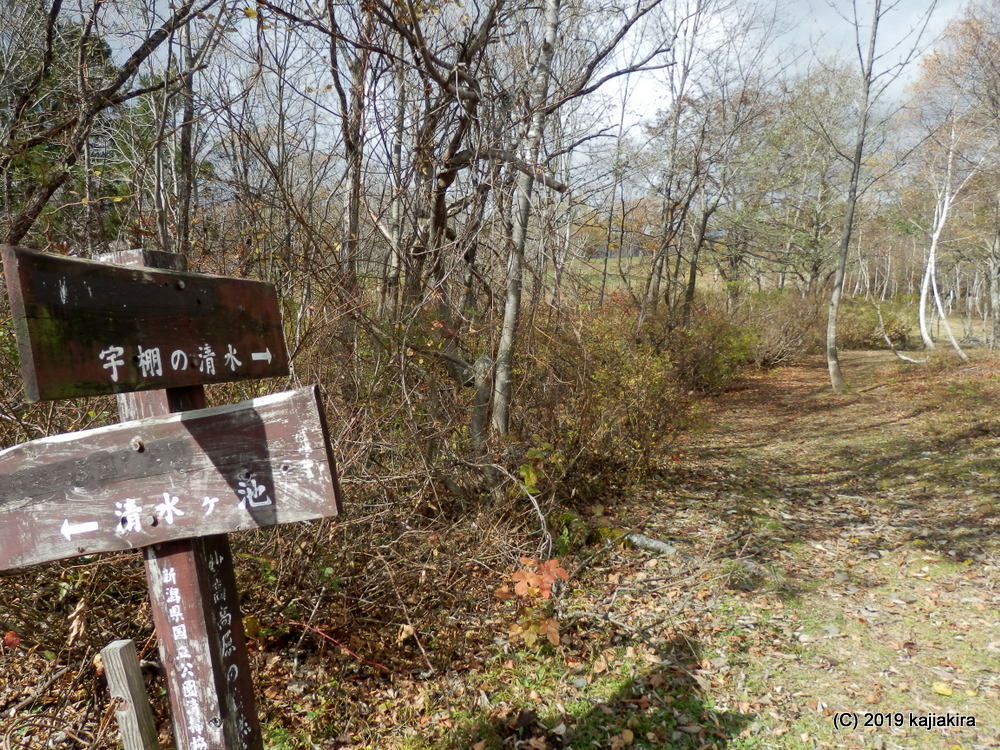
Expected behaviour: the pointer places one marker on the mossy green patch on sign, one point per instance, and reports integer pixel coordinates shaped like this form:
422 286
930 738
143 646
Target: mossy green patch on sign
86 328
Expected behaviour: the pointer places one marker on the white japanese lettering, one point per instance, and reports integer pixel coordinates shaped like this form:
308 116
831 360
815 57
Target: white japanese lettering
112 357
128 511
206 359
168 510
230 358
150 362
249 490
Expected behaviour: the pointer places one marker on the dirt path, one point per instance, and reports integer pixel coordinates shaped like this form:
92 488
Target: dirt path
856 539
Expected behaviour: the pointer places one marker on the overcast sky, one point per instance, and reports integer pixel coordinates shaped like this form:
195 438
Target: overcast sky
817 30
824 27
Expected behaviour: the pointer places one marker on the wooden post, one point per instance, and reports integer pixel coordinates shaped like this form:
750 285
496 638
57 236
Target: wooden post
196 611
128 690
179 479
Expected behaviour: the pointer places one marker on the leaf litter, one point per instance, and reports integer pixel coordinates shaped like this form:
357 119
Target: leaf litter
820 554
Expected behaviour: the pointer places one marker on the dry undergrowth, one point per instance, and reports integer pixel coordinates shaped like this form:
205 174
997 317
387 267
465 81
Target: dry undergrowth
824 553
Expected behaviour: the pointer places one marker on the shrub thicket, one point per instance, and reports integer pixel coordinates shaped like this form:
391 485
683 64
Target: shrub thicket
860 327
786 325
713 350
593 397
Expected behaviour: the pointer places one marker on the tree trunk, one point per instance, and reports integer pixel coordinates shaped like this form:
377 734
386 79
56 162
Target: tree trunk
503 381
925 288
994 266
692 279
616 181
832 357
943 316
352 110
186 175
390 286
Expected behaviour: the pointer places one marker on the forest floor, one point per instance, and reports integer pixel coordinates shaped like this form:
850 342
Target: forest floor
827 554
826 559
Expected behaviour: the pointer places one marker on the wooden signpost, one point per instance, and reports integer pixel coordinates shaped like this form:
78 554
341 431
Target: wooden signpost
211 471
86 328
173 477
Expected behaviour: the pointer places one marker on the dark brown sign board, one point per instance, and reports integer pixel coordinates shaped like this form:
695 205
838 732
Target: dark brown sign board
211 471
174 477
87 328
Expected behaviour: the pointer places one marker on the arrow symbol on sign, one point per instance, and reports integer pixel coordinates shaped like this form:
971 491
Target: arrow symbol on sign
264 355
68 529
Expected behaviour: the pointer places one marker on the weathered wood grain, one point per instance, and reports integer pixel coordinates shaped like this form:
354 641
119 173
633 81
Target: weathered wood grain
209 471
128 690
172 480
87 328
195 605
197 617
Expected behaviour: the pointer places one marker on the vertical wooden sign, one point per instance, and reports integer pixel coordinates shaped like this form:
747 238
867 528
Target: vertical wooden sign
196 610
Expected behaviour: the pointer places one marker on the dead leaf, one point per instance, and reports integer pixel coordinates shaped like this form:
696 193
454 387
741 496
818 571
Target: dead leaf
405 632
76 622
941 688
551 630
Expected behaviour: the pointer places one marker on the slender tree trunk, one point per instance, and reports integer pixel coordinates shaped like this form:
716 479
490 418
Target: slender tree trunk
352 105
562 255
88 199
503 380
943 316
564 252
994 281
617 178
925 292
692 279
945 196
186 175
390 288
832 356
993 261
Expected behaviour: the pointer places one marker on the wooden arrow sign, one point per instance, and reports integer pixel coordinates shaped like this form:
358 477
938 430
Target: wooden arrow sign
86 328
209 471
